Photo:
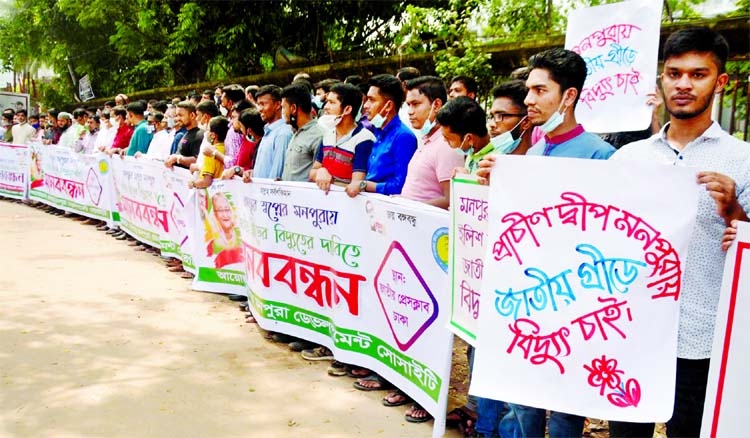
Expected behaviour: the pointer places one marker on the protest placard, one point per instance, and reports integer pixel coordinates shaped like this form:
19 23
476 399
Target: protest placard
726 392
14 170
581 284
620 44
467 247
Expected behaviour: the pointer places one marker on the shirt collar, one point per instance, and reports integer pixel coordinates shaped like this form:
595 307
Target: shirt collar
713 131
562 138
395 121
309 125
435 136
273 125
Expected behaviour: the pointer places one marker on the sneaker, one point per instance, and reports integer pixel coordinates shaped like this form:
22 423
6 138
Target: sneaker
319 353
337 369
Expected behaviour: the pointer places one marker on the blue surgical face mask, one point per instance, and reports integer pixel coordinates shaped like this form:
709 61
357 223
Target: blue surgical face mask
428 125
504 143
378 121
462 152
150 129
170 123
554 121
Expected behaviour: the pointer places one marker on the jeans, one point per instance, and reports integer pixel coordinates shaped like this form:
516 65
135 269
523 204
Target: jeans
494 417
690 395
561 425
471 400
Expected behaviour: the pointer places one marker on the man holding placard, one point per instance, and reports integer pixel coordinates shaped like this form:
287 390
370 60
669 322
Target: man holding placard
693 73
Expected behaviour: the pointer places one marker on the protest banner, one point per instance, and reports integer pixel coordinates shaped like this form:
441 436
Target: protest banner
619 43
215 242
581 284
138 187
175 239
14 170
72 182
726 392
365 277
467 247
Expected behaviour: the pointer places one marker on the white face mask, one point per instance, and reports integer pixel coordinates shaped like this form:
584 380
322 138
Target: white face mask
379 120
461 151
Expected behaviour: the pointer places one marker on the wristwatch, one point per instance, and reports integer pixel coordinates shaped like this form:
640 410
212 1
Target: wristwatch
363 186
238 170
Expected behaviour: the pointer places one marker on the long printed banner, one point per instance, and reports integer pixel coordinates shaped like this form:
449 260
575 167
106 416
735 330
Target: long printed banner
563 284
14 171
72 182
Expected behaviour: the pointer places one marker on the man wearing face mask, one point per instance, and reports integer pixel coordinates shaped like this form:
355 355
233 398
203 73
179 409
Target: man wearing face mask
555 81
204 112
394 142
343 154
296 106
430 169
123 130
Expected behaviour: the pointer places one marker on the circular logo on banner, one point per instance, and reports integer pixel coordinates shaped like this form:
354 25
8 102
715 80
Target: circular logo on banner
440 247
103 167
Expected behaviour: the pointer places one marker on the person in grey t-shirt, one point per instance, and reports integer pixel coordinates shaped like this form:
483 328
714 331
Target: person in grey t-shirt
296 108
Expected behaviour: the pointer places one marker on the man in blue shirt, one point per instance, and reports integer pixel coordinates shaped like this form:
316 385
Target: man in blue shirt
141 136
555 82
277 134
394 142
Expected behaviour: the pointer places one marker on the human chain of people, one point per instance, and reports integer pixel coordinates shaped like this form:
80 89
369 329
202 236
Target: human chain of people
366 221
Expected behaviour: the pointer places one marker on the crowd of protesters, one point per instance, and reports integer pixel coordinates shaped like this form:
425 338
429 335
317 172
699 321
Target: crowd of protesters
408 135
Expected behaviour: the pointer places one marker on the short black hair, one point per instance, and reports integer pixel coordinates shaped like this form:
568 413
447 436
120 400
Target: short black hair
565 67
52 112
158 116
23 111
349 95
234 92
463 115
390 87
219 125
160 106
252 90
307 84
430 86
208 107
406 73
353 79
272 90
136 108
78 113
298 94
469 83
242 105
110 103
119 110
251 119
326 84
514 90
187 105
698 39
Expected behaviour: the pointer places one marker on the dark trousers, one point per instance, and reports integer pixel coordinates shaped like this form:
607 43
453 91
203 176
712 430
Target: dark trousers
690 394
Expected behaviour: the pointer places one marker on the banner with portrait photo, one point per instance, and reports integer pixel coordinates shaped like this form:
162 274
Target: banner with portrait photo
72 182
14 171
216 246
582 278
364 276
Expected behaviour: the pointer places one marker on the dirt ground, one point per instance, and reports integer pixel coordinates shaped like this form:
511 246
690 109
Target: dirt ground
99 340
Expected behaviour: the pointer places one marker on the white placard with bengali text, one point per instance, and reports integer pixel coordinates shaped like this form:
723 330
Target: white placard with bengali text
726 392
581 284
14 170
620 44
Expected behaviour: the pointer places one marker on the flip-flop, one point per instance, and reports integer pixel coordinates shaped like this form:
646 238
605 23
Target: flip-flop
402 399
411 419
351 372
382 383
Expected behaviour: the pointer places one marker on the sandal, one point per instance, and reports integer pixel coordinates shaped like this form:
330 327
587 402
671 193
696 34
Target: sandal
382 384
465 421
411 418
400 397
358 372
